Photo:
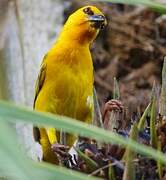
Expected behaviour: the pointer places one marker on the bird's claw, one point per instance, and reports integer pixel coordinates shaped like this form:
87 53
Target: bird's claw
60 149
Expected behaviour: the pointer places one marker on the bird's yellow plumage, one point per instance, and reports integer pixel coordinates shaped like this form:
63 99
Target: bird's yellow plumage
65 81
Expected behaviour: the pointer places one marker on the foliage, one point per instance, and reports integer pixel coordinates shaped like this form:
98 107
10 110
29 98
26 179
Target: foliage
149 3
10 152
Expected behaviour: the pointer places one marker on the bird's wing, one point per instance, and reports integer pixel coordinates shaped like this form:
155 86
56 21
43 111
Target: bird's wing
40 80
38 87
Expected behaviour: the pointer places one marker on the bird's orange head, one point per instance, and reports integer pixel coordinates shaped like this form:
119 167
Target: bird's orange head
84 24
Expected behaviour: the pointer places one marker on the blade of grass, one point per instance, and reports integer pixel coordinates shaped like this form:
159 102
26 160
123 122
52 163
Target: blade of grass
116 91
16 165
148 3
114 118
163 91
91 164
62 137
129 172
13 113
143 118
153 134
111 173
159 164
98 116
12 163
142 178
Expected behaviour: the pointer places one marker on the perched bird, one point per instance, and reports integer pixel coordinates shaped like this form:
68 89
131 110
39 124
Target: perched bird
65 82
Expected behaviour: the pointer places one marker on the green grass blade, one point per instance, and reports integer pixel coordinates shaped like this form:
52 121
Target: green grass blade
114 117
9 112
97 116
111 173
163 90
91 164
12 164
142 178
148 3
46 171
15 165
153 134
159 164
116 91
142 120
129 171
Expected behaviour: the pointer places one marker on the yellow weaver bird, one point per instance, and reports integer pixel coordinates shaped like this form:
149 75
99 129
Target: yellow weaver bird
65 82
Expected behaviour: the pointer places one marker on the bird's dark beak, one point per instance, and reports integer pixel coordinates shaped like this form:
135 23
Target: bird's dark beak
98 21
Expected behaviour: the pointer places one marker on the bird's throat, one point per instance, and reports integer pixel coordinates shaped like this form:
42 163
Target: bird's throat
84 35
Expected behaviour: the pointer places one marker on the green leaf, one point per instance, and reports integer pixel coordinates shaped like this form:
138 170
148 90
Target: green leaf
91 164
148 3
13 113
143 118
111 173
114 117
142 178
129 171
163 90
153 134
159 164
12 163
15 165
97 116
116 91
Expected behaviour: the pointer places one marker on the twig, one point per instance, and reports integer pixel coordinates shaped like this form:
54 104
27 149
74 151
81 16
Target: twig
104 167
163 91
98 117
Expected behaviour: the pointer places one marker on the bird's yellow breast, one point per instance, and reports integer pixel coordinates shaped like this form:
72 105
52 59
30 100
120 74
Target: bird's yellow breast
68 86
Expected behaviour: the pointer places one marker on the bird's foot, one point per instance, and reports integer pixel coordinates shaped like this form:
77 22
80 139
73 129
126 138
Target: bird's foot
60 149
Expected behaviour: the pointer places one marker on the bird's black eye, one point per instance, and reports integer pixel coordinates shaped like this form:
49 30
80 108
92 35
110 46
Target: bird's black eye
88 11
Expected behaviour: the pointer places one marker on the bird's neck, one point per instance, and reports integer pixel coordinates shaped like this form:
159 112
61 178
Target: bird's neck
76 44
78 35
72 54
